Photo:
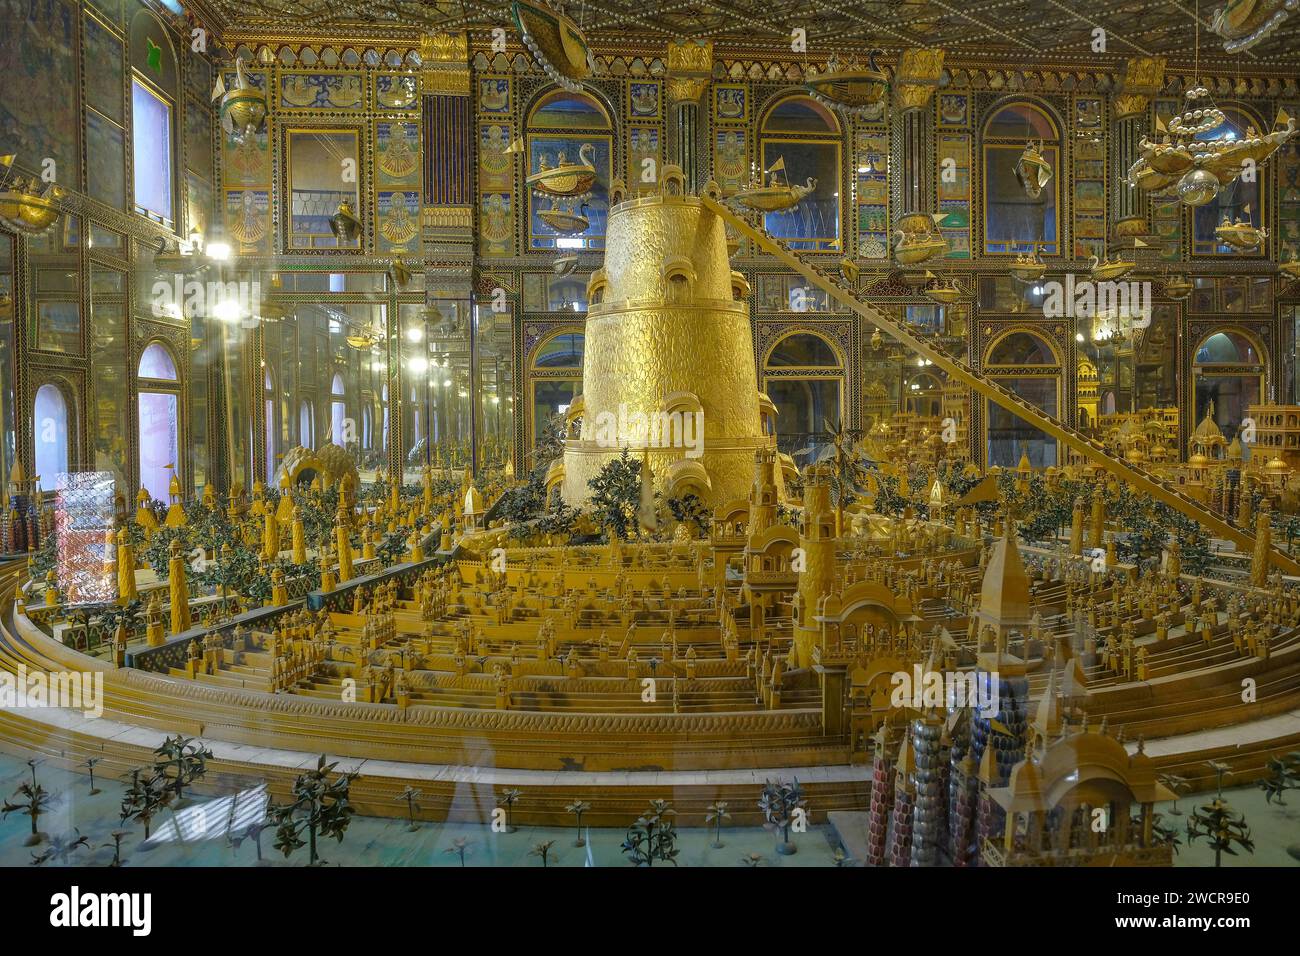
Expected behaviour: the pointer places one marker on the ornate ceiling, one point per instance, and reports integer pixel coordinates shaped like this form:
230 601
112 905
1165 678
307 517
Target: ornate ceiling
1050 30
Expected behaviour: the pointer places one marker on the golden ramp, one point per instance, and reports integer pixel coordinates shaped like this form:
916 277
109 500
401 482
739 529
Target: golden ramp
1161 490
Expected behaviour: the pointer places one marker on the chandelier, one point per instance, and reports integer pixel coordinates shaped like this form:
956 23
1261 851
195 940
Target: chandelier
1198 165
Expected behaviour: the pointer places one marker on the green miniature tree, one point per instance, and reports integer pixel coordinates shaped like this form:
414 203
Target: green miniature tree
33 800
652 837
1284 775
781 803
1221 825
118 836
458 846
692 512
90 768
509 797
543 850
181 761
616 495
1161 834
717 812
410 795
319 808
148 794
578 808
61 848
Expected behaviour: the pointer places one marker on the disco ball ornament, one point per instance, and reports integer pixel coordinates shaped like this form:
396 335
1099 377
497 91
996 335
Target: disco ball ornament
1198 187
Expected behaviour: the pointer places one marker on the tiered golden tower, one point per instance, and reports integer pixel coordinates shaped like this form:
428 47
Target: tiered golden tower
668 338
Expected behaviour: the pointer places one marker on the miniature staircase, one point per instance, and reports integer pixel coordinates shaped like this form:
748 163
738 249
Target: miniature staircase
1158 488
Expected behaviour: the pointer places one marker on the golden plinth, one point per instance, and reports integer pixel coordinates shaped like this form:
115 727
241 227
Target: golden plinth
666 337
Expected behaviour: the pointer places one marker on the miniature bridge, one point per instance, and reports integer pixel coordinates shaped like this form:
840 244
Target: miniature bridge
1158 488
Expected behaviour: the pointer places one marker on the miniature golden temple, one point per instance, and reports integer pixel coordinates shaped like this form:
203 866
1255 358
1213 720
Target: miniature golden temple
478 411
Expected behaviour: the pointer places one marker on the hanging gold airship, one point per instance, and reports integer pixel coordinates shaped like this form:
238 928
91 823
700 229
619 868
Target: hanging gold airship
1178 287
848 85
1240 234
773 193
555 42
1106 270
564 220
565 178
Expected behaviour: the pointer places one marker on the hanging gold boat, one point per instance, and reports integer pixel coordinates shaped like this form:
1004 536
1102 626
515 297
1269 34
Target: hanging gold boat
1141 175
1108 269
1240 235
1243 23
850 86
1033 172
772 193
911 248
1178 287
564 178
1291 268
563 220
555 42
243 109
945 293
1028 267
25 210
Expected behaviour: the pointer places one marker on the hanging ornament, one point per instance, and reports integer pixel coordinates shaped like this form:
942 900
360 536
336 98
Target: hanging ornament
555 42
1033 172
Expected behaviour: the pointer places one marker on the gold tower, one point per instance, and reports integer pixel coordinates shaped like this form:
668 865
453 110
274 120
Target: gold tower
668 338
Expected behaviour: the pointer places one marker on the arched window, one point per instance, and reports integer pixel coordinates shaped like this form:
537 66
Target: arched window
800 141
306 425
1025 363
50 421
1240 199
555 378
803 375
923 396
1228 369
153 112
338 411
159 415
569 128
268 387
1020 211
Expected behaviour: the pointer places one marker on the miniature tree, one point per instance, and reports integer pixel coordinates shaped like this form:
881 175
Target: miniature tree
779 802
61 848
543 850
1219 823
578 808
319 808
1284 775
90 767
254 831
458 846
509 797
652 837
148 794
411 795
615 496
717 812
1163 835
1178 785
181 761
118 836
33 800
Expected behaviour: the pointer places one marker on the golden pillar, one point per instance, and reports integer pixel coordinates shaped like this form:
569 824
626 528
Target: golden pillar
1263 541
1076 527
178 589
126 590
270 537
341 536
817 541
1098 522
299 538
